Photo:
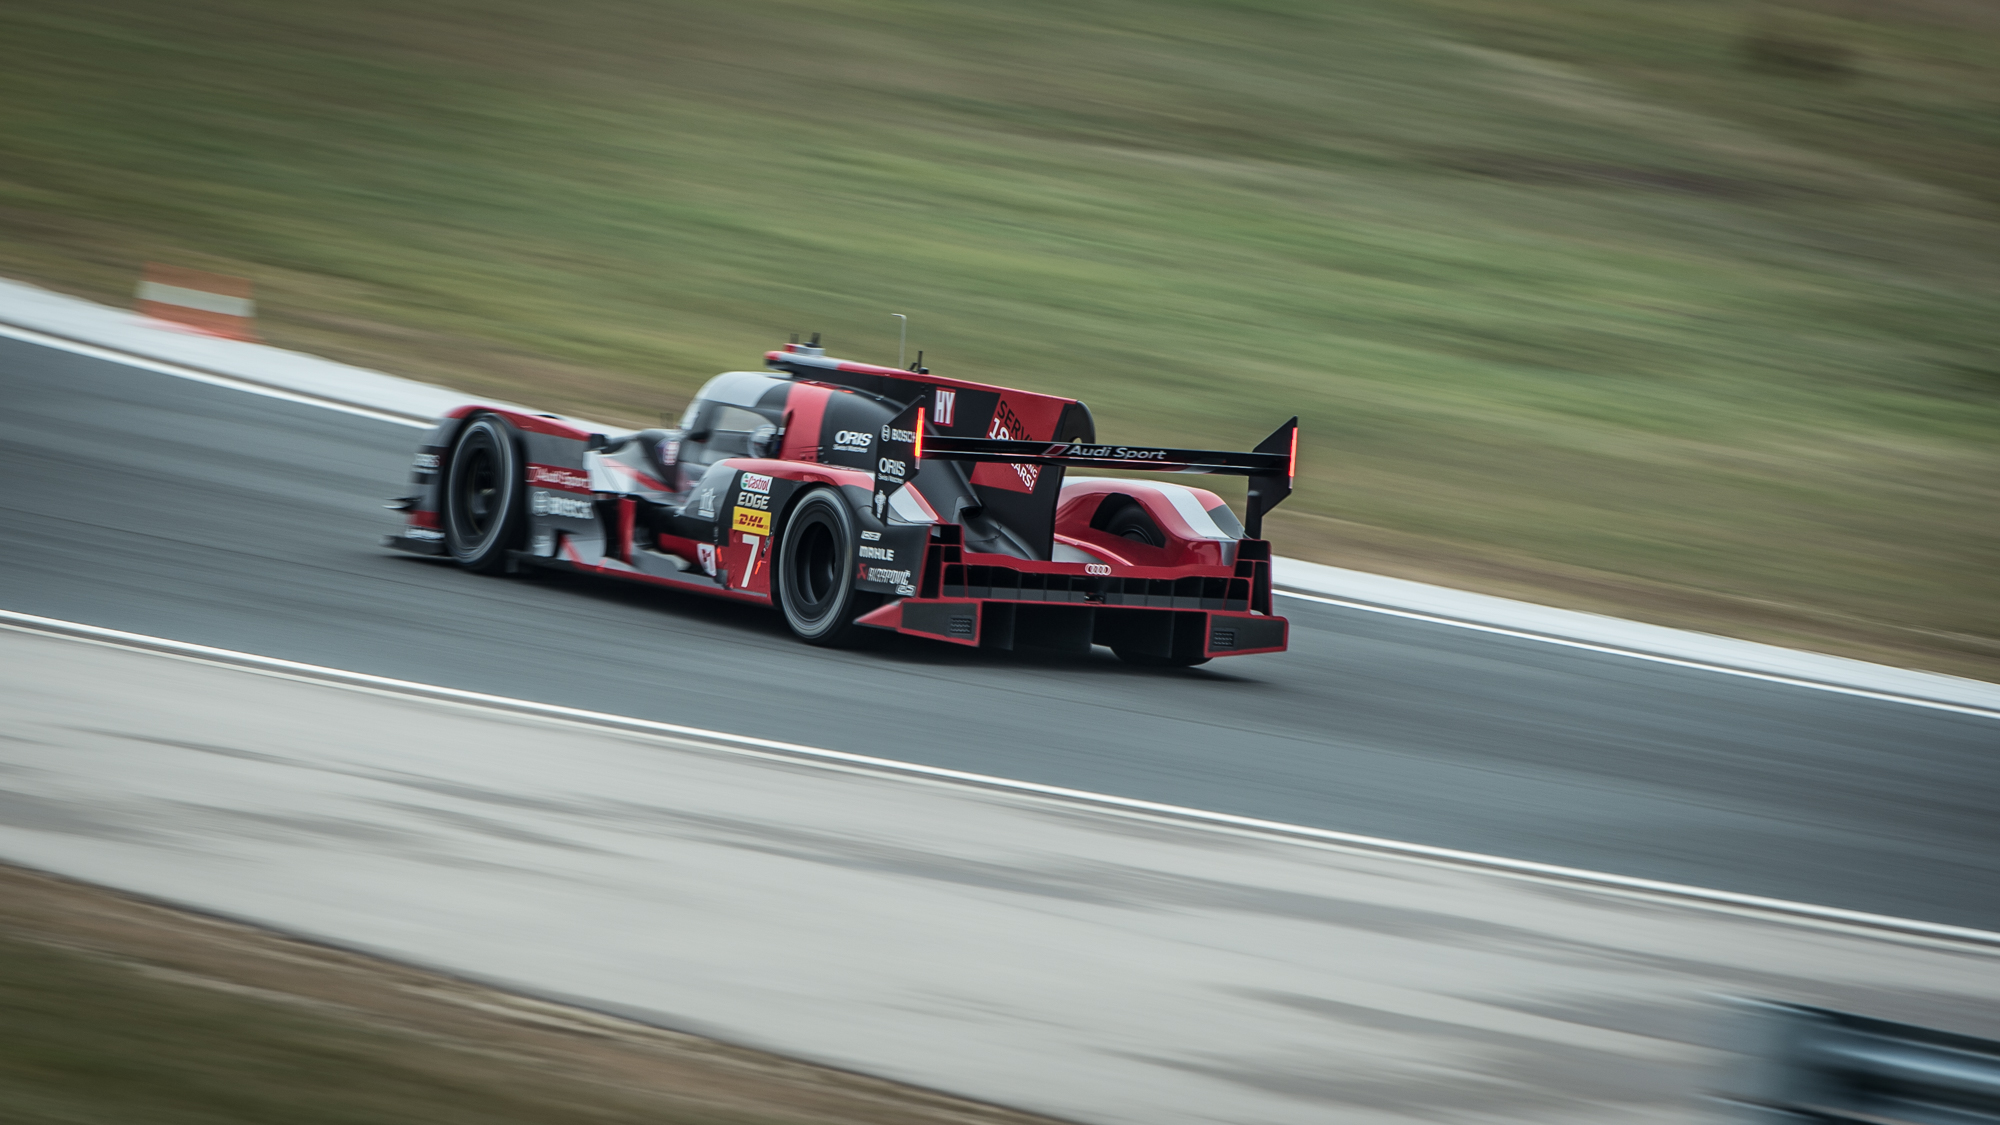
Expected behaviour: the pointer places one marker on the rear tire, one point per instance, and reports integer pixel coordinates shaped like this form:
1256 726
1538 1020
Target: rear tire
483 517
816 571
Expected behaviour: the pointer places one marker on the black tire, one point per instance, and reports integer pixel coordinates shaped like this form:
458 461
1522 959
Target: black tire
816 571
1126 518
483 495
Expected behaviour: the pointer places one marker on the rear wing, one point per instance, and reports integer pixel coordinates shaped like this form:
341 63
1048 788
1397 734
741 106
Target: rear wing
1270 466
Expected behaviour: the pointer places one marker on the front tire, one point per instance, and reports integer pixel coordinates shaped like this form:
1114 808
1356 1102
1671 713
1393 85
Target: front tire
483 494
816 571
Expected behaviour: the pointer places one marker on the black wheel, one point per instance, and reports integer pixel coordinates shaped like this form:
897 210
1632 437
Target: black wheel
1155 660
1126 518
483 493
816 571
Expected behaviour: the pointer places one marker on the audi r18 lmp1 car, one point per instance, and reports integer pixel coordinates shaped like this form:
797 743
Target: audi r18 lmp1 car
854 497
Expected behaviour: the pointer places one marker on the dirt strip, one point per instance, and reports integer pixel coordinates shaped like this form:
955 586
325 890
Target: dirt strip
115 1005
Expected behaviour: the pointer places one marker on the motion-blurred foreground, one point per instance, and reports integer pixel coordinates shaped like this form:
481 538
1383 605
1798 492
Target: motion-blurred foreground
1684 312
1095 963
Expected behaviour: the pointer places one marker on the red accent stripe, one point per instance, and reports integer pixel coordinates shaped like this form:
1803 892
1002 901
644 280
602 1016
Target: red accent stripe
523 421
806 409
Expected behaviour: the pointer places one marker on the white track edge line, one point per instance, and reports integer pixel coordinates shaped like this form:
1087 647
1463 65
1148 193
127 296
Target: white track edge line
1638 654
195 374
94 351
48 626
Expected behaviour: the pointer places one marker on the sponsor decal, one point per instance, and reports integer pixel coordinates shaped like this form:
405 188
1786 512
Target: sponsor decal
853 441
890 467
884 574
427 462
1096 568
707 496
756 482
422 533
1007 424
879 554
705 554
1108 452
871 535
759 500
943 405
670 450
750 521
545 503
554 476
891 433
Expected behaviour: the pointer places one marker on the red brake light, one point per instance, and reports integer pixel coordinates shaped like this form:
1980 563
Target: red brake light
917 452
1292 466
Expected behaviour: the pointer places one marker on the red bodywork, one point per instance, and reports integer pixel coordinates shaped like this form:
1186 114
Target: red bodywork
1198 578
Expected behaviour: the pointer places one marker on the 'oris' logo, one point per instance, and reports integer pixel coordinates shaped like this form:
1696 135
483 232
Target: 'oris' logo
890 467
853 441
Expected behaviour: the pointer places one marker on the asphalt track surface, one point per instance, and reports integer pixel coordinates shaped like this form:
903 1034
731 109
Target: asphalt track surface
157 505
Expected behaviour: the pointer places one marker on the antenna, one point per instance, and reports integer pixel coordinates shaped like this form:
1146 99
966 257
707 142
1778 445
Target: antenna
815 342
795 337
902 336
918 366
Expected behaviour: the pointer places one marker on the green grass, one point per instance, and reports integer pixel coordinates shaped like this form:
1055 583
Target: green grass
87 1042
1582 300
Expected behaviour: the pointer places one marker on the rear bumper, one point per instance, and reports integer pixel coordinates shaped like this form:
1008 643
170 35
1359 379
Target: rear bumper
1071 627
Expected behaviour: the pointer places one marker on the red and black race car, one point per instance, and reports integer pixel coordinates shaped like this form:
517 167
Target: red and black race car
855 497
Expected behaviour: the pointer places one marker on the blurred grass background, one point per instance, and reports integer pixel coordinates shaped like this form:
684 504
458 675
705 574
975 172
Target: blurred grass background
1684 311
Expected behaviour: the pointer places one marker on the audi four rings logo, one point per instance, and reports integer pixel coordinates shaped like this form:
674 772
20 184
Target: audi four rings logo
1096 568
